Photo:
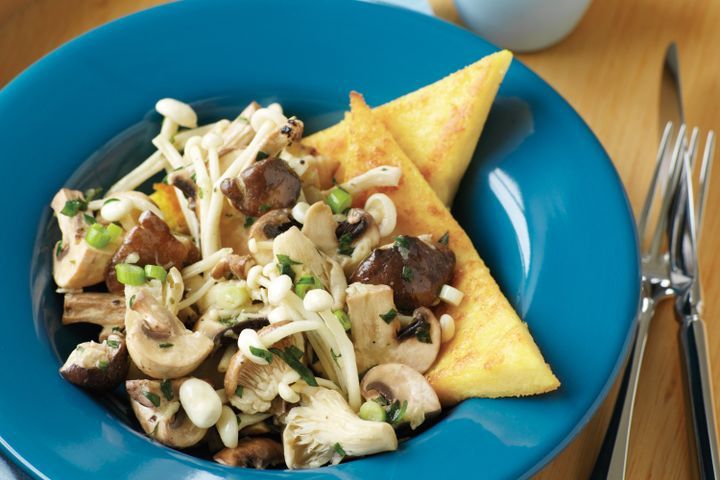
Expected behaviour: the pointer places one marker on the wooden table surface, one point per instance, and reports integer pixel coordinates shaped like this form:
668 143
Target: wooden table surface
609 70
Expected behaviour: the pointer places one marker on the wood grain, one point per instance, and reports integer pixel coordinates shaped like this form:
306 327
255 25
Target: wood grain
609 70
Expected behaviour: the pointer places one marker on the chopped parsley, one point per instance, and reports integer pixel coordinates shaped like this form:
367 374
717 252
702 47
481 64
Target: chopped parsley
239 391
249 221
335 356
261 156
89 219
154 399
193 177
265 207
166 387
396 412
407 273
103 364
261 353
117 329
58 249
72 207
291 357
131 301
445 238
338 448
402 242
389 316
345 247
286 264
113 343
166 345
422 332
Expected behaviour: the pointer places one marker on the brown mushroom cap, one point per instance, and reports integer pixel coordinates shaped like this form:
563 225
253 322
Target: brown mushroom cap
265 185
160 415
257 453
395 381
155 244
428 268
98 366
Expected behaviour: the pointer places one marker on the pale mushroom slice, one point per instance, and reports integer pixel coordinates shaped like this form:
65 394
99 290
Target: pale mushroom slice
157 407
308 260
76 264
158 341
319 227
259 453
104 309
324 429
394 382
251 387
97 366
379 337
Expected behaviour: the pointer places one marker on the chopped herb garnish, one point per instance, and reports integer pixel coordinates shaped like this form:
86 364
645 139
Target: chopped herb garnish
193 177
117 329
239 391
345 247
261 156
295 352
249 221
229 321
110 200
290 357
402 242
407 273
422 333
261 353
243 119
131 301
154 399
339 200
166 388
306 283
103 364
286 264
381 400
389 316
113 343
445 238
419 327
89 219
335 356
338 448
72 207
343 319
92 193
265 208
166 345
58 249
396 412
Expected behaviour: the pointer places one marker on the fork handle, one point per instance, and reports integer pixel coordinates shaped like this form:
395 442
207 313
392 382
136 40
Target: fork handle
693 339
612 460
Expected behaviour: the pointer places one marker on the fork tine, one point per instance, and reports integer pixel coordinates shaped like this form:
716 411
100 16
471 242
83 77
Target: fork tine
705 170
659 162
668 190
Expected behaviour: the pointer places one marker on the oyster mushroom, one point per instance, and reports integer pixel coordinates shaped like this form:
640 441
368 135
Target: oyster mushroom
76 264
104 309
416 271
265 185
266 228
309 261
323 429
257 453
378 336
320 226
97 366
158 341
398 382
357 235
154 244
252 387
157 407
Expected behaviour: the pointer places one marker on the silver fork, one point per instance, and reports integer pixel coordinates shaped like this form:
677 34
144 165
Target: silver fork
655 287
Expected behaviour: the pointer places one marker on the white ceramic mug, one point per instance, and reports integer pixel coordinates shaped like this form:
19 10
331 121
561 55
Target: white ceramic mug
522 25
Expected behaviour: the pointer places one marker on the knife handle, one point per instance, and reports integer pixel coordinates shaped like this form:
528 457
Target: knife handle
693 339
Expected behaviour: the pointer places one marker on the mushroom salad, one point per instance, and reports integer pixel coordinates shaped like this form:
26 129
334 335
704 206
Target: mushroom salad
250 305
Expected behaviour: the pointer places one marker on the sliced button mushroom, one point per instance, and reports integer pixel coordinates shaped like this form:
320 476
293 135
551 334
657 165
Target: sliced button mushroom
319 226
265 185
397 382
104 309
232 265
266 228
154 244
157 407
357 235
252 387
414 269
378 336
225 331
76 264
97 366
310 261
158 341
259 453
324 421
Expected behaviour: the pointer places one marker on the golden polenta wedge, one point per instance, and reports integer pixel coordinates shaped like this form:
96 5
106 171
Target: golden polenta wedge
436 126
492 353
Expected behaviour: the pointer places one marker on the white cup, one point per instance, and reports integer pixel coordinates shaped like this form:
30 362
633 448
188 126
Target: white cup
522 25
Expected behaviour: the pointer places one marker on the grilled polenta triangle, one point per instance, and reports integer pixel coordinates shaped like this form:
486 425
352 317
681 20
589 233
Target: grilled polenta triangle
492 353
437 126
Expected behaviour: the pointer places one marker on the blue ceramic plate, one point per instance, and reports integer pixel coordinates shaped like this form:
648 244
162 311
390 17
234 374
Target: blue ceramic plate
541 201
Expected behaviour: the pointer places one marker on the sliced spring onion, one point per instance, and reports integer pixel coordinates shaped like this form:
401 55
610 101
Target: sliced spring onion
372 411
92 193
306 283
261 353
339 200
293 361
343 318
97 236
339 450
114 230
286 264
72 207
396 412
89 219
112 343
129 274
155 271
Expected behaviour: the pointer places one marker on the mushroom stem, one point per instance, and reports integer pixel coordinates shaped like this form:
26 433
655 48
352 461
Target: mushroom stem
292 328
139 175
